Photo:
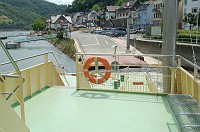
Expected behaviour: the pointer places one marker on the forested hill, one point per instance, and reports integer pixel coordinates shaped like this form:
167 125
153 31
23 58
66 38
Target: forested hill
87 5
21 13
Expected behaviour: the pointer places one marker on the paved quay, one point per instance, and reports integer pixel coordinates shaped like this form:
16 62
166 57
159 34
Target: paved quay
122 43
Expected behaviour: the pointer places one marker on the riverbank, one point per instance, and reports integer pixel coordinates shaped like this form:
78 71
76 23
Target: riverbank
66 46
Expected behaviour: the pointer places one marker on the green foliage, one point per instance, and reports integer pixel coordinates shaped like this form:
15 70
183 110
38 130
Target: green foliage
60 35
24 12
191 19
182 36
49 32
69 49
96 8
38 25
188 32
86 5
119 2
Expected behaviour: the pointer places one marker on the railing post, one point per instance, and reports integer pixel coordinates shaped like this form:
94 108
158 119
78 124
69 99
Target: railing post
77 72
21 98
179 61
173 73
46 58
2 85
195 72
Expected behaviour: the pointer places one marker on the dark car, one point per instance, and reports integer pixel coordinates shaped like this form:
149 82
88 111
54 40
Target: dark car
118 33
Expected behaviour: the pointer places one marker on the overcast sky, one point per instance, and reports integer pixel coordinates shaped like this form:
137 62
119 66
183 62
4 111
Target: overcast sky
59 2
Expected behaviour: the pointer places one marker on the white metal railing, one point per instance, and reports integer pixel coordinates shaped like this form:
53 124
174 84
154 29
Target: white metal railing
46 59
19 76
179 40
141 76
20 86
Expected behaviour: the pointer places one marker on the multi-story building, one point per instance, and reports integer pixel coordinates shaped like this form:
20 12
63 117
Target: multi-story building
158 12
111 12
126 9
190 6
143 16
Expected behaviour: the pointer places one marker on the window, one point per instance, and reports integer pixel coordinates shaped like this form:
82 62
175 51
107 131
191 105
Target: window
195 10
185 1
185 11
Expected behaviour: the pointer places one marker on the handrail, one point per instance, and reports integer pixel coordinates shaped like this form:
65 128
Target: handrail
60 68
20 79
13 76
11 93
29 57
10 58
106 54
192 64
149 55
14 90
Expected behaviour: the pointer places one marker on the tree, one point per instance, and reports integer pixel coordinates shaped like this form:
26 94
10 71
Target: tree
38 25
119 2
161 22
198 17
96 8
191 19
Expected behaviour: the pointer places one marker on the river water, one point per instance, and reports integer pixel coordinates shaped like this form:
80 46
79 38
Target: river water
30 49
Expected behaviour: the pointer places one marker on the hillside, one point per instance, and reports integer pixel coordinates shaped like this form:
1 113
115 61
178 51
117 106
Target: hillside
21 13
86 5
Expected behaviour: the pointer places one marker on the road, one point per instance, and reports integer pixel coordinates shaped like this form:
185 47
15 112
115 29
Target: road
94 43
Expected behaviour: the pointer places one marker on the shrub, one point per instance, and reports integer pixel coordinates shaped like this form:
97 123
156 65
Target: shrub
60 35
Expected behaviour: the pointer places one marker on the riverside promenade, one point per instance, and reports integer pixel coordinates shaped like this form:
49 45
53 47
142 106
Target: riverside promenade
122 42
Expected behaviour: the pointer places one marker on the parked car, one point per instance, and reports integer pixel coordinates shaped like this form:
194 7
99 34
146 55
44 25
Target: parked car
133 31
97 31
118 33
79 26
140 31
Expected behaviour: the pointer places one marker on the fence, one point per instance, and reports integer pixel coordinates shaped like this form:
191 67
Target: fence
129 73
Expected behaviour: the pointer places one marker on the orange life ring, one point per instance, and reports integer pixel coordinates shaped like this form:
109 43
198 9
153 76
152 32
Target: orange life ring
91 77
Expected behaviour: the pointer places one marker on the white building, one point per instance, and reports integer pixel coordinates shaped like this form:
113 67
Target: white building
143 16
157 12
92 16
111 12
59 22
190 6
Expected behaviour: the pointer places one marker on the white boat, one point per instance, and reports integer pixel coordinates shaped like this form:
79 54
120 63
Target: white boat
12 45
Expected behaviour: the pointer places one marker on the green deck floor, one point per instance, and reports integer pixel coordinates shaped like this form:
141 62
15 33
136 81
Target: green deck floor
67 110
